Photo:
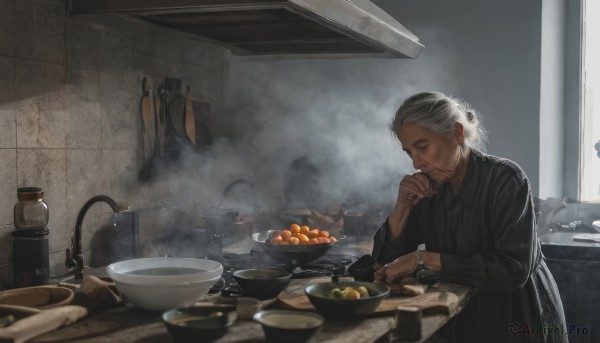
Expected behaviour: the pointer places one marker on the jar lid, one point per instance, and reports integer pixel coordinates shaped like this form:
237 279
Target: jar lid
29 193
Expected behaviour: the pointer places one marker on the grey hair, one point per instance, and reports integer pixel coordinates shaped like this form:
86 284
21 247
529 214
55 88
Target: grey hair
439 112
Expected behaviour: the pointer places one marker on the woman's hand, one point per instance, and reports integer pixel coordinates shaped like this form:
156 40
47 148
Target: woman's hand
401 266
413 188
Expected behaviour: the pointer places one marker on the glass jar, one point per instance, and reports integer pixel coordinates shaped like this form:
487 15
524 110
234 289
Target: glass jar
31 212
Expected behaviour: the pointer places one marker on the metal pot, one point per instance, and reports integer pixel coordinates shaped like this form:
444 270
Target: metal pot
293 255
192 242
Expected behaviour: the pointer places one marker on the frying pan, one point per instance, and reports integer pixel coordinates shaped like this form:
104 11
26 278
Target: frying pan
293 255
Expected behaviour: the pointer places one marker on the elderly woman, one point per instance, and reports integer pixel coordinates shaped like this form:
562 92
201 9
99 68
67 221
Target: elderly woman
474 213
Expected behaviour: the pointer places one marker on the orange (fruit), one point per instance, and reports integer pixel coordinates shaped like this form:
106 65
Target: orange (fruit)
286 234
324 233
302 238
323 239
313 233
284 243
276 240
304 229
332 239
295 228
313 241
294 241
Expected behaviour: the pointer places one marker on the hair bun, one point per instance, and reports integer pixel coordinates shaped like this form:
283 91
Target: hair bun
470 116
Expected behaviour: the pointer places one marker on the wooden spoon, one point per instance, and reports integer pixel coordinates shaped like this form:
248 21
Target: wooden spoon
40 322
190 121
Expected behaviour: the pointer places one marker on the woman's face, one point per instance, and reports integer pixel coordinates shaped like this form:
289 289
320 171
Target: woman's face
434 154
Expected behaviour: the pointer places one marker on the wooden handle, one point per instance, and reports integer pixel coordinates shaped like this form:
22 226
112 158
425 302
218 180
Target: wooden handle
45 321
190 121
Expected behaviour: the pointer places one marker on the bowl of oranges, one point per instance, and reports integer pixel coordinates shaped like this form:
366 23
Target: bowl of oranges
296 245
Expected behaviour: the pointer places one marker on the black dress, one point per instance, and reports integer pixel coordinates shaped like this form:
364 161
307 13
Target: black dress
486 236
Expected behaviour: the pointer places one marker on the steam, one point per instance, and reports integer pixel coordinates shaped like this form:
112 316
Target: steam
334 111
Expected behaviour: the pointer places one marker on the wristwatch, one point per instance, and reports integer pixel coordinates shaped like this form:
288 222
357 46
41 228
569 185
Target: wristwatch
420 263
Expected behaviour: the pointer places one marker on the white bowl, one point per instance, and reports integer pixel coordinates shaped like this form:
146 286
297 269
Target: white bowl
164 297
166 282
164 270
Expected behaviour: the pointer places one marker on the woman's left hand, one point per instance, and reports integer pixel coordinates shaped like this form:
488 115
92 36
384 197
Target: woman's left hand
401 266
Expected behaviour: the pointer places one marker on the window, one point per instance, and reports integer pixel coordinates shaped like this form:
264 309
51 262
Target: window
589 187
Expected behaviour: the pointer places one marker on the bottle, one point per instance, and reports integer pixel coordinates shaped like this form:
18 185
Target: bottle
30 239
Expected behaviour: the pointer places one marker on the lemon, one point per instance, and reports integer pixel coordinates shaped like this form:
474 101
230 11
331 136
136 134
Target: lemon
364 293
351 294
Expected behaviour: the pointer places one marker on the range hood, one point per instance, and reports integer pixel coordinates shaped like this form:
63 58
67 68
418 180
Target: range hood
274 27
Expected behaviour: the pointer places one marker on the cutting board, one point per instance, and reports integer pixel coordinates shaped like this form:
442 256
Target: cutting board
431 302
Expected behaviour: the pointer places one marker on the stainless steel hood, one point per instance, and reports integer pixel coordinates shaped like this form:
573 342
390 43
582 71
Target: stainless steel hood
274 27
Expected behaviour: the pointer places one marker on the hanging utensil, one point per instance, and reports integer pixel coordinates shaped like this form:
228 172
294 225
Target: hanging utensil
190 121
148 129
163 93
156 165
204 137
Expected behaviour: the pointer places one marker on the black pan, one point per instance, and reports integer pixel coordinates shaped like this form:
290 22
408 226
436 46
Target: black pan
293 255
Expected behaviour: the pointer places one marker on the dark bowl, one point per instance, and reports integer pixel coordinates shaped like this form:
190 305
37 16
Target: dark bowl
292 255
318 294
199 324
262 284
288 326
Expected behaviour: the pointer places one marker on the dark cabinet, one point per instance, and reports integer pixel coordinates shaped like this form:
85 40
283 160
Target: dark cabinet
576 270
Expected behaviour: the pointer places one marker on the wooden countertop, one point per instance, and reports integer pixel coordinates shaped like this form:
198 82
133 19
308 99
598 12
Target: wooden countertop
129 324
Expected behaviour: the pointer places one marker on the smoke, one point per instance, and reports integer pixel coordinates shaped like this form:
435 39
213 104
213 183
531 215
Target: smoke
334 111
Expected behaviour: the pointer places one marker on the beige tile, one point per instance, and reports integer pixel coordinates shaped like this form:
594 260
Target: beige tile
8 132
6 277
40 104
121 118
84 170
7 27
6 247
57 263
119 174
46 168
8 186
100 43
84 124
40 30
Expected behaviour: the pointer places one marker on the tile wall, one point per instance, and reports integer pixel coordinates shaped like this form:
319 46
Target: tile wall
70 119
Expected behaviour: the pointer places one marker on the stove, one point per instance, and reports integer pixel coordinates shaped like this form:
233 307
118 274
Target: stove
331 264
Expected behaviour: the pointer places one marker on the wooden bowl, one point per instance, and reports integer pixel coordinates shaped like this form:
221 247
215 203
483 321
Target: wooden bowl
40 297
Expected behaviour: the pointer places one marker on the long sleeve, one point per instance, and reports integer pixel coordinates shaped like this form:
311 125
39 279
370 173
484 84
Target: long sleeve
511 223
386 251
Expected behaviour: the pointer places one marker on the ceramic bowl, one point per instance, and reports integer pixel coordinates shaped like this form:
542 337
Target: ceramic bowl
319 296
288 326
159 284
262 284
199 324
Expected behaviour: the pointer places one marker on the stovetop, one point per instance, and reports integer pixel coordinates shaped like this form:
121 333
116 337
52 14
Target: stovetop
334 265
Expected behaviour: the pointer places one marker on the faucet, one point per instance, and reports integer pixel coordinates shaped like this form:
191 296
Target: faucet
74 258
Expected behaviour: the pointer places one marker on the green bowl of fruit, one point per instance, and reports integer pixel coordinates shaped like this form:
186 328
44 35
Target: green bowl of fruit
346 299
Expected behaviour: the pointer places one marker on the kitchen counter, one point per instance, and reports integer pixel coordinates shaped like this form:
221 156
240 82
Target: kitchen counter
561 246
129 324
